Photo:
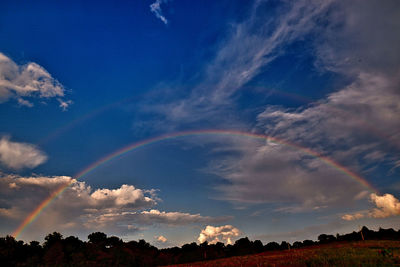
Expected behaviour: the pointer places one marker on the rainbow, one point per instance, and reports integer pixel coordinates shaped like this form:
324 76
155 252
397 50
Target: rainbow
94 113
35 213
81 119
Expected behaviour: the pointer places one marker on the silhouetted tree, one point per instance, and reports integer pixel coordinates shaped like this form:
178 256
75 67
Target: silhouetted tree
54 254
257 246
284 245
114 241
242 246
101 250
52 239
386 233
308 242
98 238
323 239
72 247
272 246
297 244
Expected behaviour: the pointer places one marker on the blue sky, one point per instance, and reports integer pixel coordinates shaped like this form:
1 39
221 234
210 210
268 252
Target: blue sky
80 80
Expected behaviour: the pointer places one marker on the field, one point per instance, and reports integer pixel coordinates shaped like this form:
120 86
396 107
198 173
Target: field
362 253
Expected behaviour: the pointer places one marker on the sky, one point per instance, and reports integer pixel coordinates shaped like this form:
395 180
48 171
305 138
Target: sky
189 121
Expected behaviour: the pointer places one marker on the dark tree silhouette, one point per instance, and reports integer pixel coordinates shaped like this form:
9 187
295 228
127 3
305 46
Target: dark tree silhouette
114 241
326 238
284 245
101 250
52 239
98 238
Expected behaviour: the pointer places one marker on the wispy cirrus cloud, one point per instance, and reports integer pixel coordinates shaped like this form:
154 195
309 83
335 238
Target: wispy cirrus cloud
250 46
356 125
156 9
148 217
27 81
360 117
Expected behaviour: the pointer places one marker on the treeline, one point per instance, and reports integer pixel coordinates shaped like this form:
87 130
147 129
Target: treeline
101 250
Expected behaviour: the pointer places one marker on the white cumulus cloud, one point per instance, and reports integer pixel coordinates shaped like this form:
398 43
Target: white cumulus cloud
17 155
81 208
214 234
29 80
387 205
72 210
125 195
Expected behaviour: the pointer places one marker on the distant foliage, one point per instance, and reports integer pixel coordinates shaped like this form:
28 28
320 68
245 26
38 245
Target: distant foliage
101 250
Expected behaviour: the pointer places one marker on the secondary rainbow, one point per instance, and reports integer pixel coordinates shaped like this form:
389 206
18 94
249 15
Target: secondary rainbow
35 213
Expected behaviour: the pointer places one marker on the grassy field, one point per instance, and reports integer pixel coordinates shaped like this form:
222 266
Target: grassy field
362 253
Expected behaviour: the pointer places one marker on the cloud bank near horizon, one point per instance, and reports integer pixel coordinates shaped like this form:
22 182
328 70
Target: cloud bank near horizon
81 208
387 205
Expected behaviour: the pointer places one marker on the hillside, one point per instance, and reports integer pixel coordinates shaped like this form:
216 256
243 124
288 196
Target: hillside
359 253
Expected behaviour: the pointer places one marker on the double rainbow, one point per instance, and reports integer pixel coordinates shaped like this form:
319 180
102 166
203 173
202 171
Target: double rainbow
35 213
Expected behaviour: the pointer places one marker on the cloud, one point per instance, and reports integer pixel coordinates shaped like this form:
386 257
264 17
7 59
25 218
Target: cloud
29 80
176 218
24 102
77 194
161 239
64 104
289 178
386 206
360 117
214 234
156 9
356 125
250 45
123 196
365 51
19 196
16 155
162 242
352 41
150 217
352 217
82 209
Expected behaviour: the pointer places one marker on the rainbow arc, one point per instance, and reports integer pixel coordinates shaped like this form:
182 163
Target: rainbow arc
330 162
